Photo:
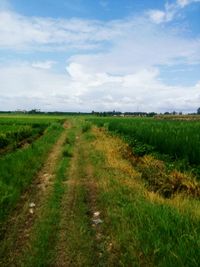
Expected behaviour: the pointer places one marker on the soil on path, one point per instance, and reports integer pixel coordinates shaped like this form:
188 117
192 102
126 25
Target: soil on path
81 189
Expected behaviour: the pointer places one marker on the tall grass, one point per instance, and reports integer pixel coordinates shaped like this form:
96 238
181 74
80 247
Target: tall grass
30 119
138 230
13 134
179 139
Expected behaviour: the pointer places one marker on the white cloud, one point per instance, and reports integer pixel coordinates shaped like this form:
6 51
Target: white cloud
141 45
123 75
140 90
157 16
21 79
43 64
78 74
170 12
81 90
134 35
183 3
20 32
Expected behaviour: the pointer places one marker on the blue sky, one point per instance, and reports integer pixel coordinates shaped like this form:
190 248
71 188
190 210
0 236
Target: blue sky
86 9
85 55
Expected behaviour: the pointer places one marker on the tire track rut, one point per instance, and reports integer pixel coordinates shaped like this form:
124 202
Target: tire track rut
17 231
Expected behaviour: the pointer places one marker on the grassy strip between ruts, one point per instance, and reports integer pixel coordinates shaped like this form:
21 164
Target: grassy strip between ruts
45 233
17 169
75 246
138 231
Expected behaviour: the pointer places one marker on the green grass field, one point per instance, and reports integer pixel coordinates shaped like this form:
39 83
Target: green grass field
178 139
99 192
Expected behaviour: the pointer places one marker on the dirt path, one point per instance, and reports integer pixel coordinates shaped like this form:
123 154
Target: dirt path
79 235
67 207
17 231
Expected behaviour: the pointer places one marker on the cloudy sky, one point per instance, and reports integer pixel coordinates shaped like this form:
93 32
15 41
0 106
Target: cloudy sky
84 55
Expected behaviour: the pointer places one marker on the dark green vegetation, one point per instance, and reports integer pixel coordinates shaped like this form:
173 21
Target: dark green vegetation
96 203
15 131
179 139
12 135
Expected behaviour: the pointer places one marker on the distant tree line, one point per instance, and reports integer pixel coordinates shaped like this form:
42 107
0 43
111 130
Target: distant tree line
37 111
101 114
118 113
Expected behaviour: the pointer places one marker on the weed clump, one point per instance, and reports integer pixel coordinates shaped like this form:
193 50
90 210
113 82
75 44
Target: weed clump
167 184
67 141
67 153
54 126
86 127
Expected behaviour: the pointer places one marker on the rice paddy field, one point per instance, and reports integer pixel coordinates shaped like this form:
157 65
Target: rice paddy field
92 191
179 139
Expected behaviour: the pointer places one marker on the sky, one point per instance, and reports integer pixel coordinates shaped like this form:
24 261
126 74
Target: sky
101 55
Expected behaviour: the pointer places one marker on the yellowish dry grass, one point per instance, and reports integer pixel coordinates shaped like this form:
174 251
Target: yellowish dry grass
111 147
114 148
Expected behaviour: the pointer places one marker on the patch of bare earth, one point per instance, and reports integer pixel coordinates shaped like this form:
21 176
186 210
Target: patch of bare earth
96 215
15 235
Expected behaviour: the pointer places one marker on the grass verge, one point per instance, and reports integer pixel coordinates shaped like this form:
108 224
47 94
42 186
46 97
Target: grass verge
138 231
17 169
75 247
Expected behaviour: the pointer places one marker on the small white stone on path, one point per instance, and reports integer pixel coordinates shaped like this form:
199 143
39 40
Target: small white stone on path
31 211
32 205
96 214
97 221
